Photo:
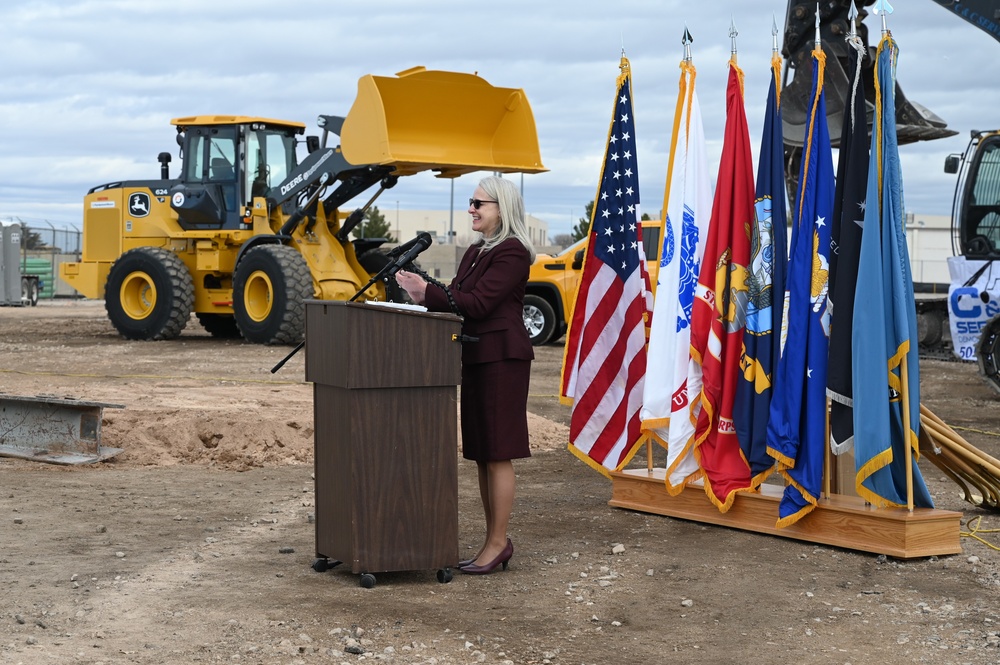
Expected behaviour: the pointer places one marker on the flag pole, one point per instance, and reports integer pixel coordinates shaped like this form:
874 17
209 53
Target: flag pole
882 8
904 377
818 46
826 455
733 33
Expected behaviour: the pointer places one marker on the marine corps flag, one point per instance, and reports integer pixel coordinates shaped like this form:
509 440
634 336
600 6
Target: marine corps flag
796 430
605 361
669 390
886 379
720 307
766 286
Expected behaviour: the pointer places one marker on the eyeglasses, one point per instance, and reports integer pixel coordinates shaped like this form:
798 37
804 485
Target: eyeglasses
475 203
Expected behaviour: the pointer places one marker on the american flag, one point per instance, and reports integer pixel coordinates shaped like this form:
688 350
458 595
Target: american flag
605 361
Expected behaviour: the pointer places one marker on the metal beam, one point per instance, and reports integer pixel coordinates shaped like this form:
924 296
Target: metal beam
52 429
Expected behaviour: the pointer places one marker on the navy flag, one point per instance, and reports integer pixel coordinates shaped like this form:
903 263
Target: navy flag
766 285
845 248
886 381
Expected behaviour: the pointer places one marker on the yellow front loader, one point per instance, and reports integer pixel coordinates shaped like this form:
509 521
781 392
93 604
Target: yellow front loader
246 233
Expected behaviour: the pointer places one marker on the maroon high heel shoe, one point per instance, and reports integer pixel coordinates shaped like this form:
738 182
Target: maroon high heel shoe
502 559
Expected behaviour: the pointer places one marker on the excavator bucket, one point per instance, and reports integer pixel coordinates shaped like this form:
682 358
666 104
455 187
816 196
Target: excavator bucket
448 122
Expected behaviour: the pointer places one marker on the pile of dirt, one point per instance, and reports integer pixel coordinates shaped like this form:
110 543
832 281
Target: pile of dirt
233 441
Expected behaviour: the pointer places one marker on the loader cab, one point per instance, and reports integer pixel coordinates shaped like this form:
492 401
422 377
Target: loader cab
976 213
227 161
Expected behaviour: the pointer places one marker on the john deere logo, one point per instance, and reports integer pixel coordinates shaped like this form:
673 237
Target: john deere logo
138 204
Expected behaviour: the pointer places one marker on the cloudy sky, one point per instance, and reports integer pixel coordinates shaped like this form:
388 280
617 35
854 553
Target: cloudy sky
88 87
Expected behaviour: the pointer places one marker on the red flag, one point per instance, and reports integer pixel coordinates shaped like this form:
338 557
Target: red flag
605 361
720 307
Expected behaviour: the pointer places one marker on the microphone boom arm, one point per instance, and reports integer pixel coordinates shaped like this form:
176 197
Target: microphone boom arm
412 249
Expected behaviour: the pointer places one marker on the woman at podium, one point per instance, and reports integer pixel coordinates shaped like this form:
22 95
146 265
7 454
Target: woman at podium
488 292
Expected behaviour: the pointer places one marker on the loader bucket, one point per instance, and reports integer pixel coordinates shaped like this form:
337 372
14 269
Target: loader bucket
448 122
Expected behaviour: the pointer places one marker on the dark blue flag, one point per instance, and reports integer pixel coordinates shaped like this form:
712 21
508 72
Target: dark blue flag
766 285
886 380
845 248
796 432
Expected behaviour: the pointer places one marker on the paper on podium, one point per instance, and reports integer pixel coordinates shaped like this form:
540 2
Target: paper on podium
398 305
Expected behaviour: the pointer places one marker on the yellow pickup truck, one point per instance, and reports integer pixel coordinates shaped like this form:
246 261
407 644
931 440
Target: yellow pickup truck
553 280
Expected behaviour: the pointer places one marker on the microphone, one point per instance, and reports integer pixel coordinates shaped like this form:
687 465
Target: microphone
415 246
423 238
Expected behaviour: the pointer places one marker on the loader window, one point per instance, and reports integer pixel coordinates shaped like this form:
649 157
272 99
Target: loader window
984 208
270 158
211 158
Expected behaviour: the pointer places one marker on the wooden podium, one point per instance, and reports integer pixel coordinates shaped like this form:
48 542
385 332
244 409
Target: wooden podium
386 436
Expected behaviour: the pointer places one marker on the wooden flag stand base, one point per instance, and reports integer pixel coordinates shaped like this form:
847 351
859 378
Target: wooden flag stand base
841 521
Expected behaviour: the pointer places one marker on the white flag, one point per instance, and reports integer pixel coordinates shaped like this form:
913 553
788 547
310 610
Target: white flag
673 382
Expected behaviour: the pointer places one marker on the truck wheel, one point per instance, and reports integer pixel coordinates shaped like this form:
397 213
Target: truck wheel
270 286
222 326
930 325
148 294
373 261
988 353
29 291
539 319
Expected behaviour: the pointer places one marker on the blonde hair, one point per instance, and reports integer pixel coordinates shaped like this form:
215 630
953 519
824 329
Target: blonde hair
512 224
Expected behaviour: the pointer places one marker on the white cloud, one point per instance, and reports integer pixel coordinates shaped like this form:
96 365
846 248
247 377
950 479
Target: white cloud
89 86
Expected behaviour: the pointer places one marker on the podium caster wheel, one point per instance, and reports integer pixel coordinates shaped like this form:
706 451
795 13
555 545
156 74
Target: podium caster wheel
323 564
368 580
444 575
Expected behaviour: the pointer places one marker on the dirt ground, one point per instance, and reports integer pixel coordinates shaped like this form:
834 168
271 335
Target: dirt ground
195 544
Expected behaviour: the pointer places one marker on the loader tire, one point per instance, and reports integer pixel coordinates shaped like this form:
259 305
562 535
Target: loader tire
222 326
270 287
149 294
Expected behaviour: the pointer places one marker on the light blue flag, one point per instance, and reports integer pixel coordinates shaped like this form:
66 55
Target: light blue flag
796 430
885 329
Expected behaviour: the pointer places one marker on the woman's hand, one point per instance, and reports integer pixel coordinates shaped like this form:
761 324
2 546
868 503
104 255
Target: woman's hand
413 284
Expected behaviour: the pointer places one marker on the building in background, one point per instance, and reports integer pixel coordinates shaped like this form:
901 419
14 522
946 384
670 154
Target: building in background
405 224
928 240
441 260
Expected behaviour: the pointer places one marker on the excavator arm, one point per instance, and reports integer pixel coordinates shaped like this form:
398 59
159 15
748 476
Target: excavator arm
984 14
914 122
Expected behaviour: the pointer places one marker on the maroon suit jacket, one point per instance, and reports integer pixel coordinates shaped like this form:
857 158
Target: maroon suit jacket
489 292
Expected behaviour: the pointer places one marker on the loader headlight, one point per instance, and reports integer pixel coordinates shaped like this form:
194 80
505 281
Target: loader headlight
321 121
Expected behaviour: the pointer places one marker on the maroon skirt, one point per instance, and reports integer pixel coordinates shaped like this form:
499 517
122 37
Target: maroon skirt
495 410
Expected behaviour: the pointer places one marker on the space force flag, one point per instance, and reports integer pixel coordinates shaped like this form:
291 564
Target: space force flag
669 390
605 361
766 286
886 371
796 431
845 247
720 307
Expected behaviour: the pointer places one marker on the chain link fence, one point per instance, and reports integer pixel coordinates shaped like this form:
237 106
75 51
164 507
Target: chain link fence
45 245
